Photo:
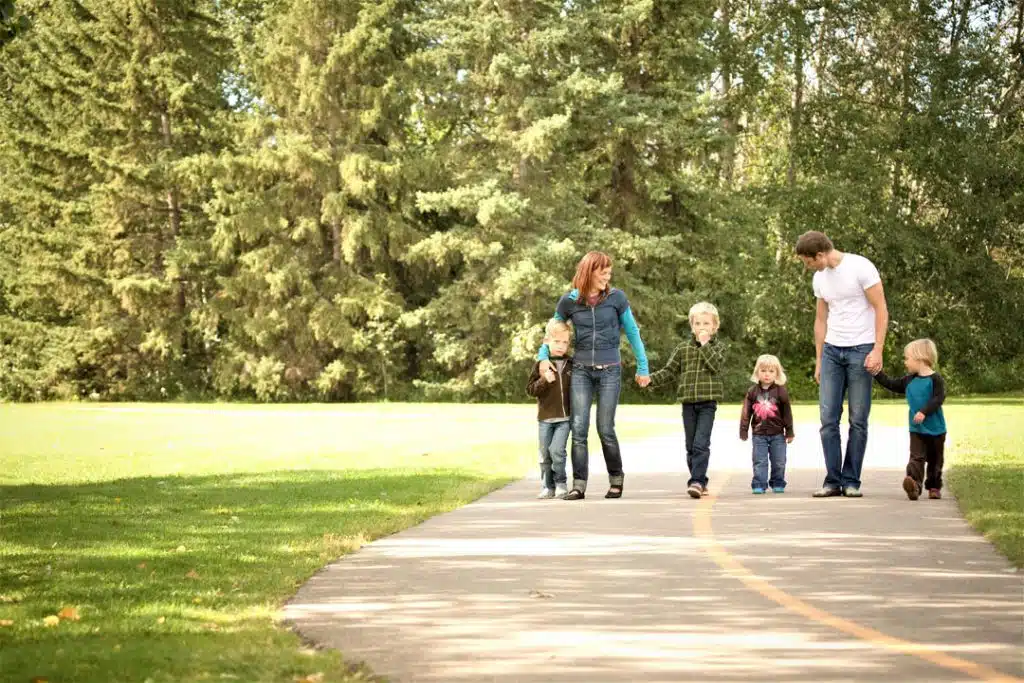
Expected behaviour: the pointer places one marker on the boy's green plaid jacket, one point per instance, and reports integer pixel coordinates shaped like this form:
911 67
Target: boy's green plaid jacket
696 368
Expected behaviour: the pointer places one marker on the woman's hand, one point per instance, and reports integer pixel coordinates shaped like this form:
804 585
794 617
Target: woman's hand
643 380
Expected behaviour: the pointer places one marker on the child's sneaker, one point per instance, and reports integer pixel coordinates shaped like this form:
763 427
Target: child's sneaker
934 494
704 491
695 490
546 493
560 491
911 487
757 492
778 489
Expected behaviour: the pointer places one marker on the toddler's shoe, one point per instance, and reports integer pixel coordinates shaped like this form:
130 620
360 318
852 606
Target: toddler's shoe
934 494
757 492
911 487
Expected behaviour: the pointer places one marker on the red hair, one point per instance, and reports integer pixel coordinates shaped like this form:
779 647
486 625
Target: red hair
592 262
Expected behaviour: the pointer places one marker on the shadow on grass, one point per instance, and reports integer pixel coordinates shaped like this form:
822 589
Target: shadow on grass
180 578
991 497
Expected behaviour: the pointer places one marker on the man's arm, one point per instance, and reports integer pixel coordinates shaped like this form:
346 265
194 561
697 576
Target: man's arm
820 328
876 297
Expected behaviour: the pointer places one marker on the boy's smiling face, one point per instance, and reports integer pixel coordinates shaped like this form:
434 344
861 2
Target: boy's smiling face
558 343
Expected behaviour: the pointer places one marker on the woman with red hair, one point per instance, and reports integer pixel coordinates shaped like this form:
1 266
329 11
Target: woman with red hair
599 314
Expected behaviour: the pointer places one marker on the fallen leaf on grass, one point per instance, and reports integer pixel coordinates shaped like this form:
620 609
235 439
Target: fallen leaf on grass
197 600
210 626
69 614
161 620
39 679
6 622
51 620
312 678
192 574
141 565
180 549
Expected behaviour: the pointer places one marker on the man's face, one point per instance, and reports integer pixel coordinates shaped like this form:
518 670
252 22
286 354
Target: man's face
814 263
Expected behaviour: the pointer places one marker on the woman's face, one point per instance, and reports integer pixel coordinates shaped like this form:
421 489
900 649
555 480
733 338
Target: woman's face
602 278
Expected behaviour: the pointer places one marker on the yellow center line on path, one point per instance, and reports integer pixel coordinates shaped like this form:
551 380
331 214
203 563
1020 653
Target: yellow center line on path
703 530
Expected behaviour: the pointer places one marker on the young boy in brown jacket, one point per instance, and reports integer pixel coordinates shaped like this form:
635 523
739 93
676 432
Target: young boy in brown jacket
553 413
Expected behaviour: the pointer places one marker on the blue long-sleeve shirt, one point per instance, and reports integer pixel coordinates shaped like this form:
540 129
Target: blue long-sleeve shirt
597 329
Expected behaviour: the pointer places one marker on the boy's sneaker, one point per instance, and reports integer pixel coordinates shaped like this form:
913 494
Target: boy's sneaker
778 489
827 492
704 491
934 494
546 493
911 487
695 490
852 492
757 491
560 491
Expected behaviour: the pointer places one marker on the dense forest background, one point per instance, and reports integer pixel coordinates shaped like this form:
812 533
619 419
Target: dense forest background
336 200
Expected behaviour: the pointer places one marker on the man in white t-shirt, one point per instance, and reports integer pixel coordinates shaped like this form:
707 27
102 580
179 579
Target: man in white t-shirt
849 335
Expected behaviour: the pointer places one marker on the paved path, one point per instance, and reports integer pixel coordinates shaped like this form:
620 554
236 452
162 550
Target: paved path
659 587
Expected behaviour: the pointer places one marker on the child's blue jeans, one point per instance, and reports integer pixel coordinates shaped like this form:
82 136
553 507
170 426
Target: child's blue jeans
769 450
553 437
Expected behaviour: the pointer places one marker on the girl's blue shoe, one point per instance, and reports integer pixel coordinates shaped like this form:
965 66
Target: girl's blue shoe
778 489
758 491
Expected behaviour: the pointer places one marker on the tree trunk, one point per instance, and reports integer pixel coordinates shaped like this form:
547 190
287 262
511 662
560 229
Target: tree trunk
794 122
174 218
728 115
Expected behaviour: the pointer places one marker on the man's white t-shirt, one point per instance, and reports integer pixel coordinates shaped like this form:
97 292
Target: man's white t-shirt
851 318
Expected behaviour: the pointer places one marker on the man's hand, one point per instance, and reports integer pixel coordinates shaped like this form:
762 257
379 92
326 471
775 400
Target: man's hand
703 337
643 380
873 362
743 437
789 439
817 372
918 417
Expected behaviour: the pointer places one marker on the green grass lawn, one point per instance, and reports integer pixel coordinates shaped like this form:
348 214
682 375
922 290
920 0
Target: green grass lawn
176 531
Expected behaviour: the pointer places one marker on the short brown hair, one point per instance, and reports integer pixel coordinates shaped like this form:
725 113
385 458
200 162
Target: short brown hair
812 243
592 262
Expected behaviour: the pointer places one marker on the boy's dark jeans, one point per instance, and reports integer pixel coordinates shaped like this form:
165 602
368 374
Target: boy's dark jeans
926 451
698 419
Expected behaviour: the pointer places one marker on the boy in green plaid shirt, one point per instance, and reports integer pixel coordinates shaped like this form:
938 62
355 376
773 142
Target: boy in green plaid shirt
695 365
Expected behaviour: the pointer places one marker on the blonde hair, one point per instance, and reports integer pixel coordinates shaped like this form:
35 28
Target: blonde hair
769 361
554 326
701 308
923 350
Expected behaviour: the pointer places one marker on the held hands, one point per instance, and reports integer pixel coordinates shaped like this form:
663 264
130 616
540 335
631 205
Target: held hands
873 362
643 380
919 417
546 368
